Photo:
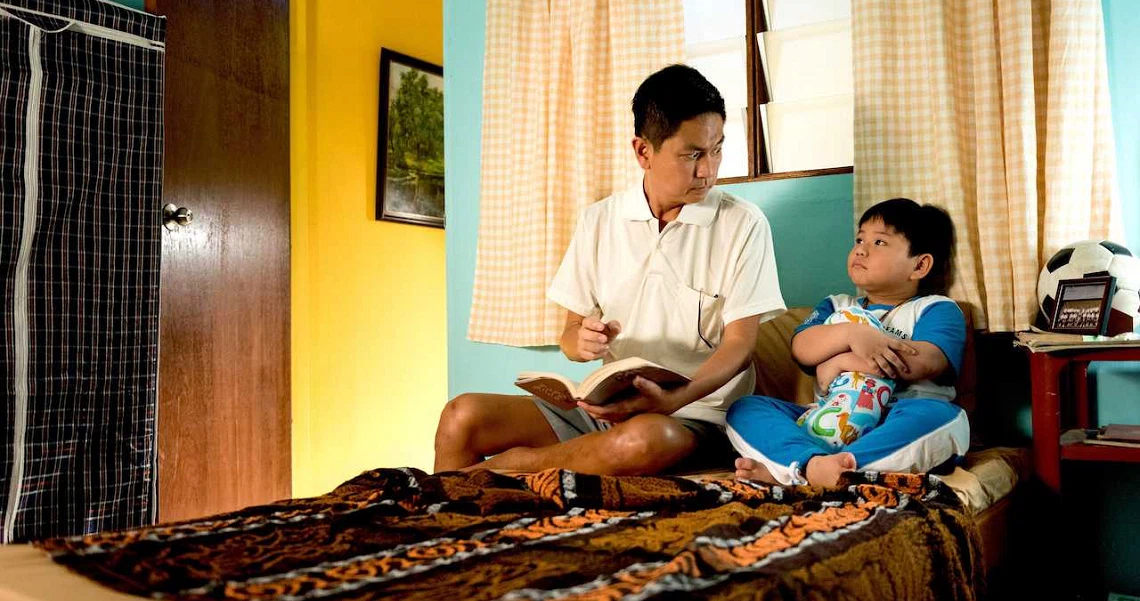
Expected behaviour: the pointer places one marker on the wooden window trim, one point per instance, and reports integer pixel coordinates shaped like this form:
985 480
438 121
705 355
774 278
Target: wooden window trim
767 177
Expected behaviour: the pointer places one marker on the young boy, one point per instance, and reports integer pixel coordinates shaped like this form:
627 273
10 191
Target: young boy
901 260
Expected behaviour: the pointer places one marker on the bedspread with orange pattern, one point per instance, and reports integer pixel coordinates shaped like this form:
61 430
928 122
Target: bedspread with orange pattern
402 534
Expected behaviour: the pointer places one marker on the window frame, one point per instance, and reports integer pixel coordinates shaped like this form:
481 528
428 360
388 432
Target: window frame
758 168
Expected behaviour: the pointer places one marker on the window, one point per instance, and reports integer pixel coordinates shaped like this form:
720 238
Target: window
784 69
716 44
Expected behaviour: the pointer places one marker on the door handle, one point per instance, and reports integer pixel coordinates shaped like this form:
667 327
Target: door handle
174 216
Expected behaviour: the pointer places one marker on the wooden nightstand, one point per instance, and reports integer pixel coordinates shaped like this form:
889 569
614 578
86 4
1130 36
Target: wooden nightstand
1059 383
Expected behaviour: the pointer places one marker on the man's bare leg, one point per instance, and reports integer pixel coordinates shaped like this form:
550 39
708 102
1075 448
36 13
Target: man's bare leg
824 470
643 444
750 469
474 426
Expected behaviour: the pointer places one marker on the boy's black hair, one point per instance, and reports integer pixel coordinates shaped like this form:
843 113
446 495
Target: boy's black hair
928 229
670 97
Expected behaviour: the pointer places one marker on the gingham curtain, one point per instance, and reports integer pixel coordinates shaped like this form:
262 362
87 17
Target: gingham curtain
558 78
999 112
81 135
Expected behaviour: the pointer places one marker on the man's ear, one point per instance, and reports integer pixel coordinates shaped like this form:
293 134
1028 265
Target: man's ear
644 150
923 266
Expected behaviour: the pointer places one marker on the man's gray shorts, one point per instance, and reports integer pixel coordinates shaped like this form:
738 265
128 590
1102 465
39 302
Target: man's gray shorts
714 452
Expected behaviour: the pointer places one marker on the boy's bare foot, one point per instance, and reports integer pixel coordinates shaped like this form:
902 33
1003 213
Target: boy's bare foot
750 469
824 470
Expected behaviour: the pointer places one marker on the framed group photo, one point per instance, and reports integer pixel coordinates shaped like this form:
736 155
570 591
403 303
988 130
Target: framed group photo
409 170
1083 305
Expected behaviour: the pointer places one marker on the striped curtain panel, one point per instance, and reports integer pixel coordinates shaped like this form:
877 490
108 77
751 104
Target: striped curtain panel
558 79
81 86
999 112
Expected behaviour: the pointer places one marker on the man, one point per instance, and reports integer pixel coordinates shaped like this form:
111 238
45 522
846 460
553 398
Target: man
671 270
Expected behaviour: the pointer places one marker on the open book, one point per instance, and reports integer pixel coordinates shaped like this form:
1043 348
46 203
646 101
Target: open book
610 382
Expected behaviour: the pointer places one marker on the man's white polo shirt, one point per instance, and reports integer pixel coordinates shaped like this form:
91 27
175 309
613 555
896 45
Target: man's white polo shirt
672 291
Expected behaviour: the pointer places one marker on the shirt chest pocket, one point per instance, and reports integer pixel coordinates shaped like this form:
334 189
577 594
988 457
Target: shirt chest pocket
699 313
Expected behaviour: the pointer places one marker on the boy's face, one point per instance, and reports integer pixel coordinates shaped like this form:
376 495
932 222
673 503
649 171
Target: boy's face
684 168
880 261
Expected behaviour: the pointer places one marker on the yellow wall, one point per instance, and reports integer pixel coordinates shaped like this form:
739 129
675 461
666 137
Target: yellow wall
368 315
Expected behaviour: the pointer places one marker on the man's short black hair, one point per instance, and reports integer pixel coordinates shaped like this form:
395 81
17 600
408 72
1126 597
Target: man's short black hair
670 97
928 229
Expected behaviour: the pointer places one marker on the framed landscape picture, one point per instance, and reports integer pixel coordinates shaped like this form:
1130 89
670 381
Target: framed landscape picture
409 170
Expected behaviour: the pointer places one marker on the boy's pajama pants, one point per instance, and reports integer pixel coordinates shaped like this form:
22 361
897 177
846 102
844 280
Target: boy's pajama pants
917 435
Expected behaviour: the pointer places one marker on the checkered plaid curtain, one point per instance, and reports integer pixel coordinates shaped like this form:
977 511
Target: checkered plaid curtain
558 78
999 112
81 86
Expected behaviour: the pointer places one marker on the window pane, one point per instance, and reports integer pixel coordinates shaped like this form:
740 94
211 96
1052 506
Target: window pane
810 134
724 63
809 61
734 160
711 20
716 44
782 14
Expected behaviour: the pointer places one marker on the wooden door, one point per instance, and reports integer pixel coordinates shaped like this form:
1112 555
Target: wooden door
223 405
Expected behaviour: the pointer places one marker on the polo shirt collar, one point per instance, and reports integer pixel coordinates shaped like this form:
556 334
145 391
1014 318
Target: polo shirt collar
701 213
635 207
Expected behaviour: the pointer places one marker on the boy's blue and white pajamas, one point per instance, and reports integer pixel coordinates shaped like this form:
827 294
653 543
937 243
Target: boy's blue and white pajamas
922 428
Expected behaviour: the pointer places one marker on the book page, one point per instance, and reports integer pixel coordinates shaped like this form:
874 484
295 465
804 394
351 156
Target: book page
606 370
615 381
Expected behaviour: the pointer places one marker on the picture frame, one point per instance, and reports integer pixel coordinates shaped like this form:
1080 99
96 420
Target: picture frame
409 161
1083 305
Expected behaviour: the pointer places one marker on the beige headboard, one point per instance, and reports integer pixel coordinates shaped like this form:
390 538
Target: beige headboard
777 374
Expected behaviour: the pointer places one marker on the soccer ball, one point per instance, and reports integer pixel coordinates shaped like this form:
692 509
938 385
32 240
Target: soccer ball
1092 258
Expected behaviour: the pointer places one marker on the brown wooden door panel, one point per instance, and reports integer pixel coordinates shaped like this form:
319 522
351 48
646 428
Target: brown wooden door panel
224 413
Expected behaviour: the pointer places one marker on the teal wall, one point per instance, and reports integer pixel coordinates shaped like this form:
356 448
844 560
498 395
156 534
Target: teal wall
812 222
1111 503
1118 385
1122 21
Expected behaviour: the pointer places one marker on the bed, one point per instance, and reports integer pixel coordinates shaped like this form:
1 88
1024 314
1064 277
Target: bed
401 533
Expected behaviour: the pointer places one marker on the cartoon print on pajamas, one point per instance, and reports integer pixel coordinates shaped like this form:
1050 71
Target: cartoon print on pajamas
853 403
